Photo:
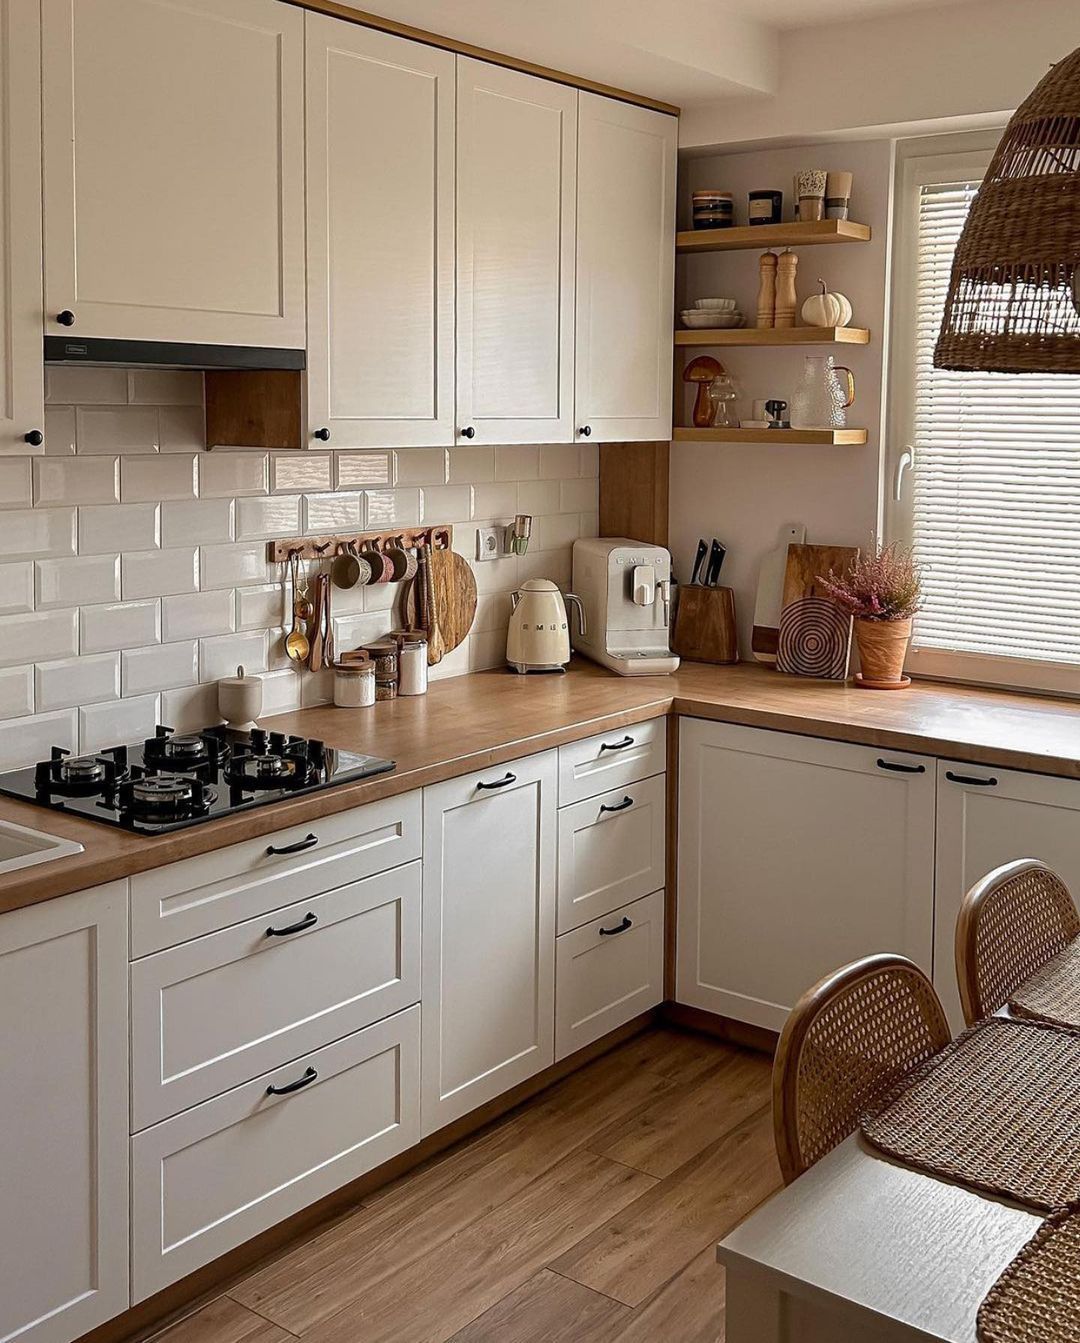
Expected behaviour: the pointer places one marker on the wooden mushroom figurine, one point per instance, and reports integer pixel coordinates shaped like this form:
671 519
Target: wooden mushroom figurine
703 370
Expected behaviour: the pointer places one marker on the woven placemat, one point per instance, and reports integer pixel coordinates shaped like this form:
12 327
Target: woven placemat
1053 993
998 1109
1037 1298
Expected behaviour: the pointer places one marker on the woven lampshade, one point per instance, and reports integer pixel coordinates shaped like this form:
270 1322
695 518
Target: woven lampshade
1014 295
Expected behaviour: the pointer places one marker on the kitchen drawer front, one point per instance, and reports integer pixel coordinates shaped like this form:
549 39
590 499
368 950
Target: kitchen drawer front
611 852
218 1011
611 760
213 1177
608 972
202 895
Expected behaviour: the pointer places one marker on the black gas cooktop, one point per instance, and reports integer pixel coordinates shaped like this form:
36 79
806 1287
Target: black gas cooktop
174 779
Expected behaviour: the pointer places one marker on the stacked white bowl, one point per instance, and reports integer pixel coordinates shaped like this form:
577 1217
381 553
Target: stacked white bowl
717 313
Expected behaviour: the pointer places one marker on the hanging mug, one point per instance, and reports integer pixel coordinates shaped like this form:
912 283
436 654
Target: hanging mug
381 567
350 570
398 560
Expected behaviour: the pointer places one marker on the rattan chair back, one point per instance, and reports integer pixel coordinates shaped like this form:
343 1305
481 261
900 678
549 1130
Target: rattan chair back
1011 923
848 1040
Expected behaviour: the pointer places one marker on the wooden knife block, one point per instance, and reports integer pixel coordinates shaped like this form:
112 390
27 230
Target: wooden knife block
705 629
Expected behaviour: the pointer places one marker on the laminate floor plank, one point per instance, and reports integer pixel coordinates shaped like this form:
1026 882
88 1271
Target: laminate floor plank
438 1294
549 1308
678 1056
223 1320
688 1309
644 1245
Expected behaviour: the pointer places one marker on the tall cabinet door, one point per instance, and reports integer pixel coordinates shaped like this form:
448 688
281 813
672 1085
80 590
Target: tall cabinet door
173 161
516 204
64 1116
625 270
795 857
380 165
488 1005
21 383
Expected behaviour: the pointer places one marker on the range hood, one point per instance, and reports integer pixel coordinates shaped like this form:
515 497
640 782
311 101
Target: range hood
168 354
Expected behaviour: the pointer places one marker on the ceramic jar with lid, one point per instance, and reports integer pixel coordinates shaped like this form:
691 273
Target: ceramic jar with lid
354 685
413 665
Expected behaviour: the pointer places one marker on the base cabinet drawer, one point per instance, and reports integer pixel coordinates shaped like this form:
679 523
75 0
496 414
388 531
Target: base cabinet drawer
220 1173
611 760
608 972
218 1011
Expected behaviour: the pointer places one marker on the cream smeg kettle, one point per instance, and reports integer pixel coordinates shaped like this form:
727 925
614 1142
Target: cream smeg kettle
538 637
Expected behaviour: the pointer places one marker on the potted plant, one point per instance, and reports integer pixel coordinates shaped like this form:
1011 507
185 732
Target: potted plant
881 590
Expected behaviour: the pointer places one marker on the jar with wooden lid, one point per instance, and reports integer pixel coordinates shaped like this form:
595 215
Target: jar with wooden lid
384 654
354 685
413 665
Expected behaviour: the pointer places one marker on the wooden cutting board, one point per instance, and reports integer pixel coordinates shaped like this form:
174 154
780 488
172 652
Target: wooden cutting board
770 594
814 634
454 587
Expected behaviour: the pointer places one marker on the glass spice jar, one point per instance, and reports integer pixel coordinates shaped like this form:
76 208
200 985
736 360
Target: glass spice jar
413 666
354 685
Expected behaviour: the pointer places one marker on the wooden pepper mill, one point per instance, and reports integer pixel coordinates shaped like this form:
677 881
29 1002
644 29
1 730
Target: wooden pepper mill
766 294
785 289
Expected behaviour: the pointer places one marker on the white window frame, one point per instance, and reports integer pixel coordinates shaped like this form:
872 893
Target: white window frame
926 162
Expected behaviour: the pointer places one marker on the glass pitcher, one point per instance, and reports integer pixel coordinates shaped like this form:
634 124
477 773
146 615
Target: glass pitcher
821 400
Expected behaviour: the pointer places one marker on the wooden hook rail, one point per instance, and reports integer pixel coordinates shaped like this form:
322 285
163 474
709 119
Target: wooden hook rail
437 537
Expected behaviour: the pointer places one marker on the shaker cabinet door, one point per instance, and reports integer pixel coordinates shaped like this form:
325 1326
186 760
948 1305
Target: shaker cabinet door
380 229
625 270
174 174
517 185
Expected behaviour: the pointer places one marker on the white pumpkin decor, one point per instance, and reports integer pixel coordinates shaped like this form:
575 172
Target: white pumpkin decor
826 309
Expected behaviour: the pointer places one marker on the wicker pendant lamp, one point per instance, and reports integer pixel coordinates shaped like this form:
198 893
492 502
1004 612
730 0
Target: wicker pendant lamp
1013 304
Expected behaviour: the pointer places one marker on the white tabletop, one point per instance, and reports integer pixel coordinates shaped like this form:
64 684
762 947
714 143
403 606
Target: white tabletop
872 1235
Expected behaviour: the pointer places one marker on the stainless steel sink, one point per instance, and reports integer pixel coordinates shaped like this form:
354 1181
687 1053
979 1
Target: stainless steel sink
20 847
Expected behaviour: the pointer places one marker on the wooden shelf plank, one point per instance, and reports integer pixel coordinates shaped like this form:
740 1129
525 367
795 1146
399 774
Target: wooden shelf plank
773 336
836 437
761 236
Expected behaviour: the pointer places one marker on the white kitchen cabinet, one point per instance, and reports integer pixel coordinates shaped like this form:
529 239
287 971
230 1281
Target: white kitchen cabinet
625 270
516 204
64 1155
795 857
380 229
174 170
989 816
22 418
611 760
488 935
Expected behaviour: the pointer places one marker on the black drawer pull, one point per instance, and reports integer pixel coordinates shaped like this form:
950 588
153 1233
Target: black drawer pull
971 779
309 1076
309 920
499 783
298 847
617 745
619 928
901 769
618 806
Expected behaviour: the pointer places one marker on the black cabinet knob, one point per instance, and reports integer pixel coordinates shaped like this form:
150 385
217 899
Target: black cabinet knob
66 318
468 432
324 434
585 430
35 438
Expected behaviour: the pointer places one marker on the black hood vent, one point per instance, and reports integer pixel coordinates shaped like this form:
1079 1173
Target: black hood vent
168 354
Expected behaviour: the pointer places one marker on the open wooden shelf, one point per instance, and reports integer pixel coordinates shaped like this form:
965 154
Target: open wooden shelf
761 236
772 336
836 437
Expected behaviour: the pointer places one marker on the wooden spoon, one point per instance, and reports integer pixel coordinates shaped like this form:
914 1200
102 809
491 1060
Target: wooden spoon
315 660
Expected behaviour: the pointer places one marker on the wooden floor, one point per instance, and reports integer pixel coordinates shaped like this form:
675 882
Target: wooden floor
589 1215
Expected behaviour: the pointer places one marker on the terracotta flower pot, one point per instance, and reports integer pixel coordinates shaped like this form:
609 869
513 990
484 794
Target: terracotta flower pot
883 645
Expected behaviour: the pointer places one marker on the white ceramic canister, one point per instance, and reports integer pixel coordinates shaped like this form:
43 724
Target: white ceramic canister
412 667
240 699
354 685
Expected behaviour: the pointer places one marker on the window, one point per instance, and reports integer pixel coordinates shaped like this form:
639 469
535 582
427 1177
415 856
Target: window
991 501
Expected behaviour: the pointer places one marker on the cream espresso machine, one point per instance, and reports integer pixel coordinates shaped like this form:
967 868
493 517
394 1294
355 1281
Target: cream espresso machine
625 589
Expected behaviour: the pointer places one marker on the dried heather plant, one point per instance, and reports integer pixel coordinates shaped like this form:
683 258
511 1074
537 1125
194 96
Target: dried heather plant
881 585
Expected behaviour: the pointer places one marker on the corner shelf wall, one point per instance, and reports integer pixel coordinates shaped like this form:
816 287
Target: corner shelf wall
758 237
756 336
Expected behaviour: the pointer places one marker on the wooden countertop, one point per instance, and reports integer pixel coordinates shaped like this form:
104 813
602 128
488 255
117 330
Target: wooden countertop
472 722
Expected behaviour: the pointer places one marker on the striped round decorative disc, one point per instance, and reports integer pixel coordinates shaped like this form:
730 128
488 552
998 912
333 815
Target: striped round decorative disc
814 639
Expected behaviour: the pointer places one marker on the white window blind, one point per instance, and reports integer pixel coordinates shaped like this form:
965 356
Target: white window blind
995 505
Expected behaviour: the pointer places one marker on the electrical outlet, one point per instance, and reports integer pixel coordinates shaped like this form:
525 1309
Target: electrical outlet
491 543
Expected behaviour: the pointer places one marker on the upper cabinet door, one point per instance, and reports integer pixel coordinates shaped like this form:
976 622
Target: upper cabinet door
516 204
21 391
380 194
173 157
625 270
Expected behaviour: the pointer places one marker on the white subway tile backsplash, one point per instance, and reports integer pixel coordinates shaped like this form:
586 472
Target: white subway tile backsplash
116 429
77 582
199 522
221 656
197 616
301 472
16 487
16 588
173 476
28 533
120 625
263 608
333 513
227 475
392 508
494 501
316 688
497 575
278 515
190 708
233 566
76 480
517 462
281 692
363 470
421 466
165 387
487 648
182 429
38 636
537 497
471 466
86 386
135 526
24 741
16 692
163 667
453 664
555 531
559 460
354 631
590 459
442 503
59 431
159 573
492 613
74 681
579 496
122 720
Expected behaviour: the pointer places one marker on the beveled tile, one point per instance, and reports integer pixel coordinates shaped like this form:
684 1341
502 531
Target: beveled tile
559 461
116 429
182 429
80 680
86 386
161 667
471 466
161 573
263 608
555 530
59 431
494 501
420 466
221 656
82 581
233 566
446 503
301 472
197 615
392 508
197 522
30 533
138 526
277 515
76 480
517 462
16 588
537 497
363 470
24 741
146 479
16 488
324 513
190 708
38 636
589 461
16 692
226 475
281 691
579 496
165 387
119 721
120 625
